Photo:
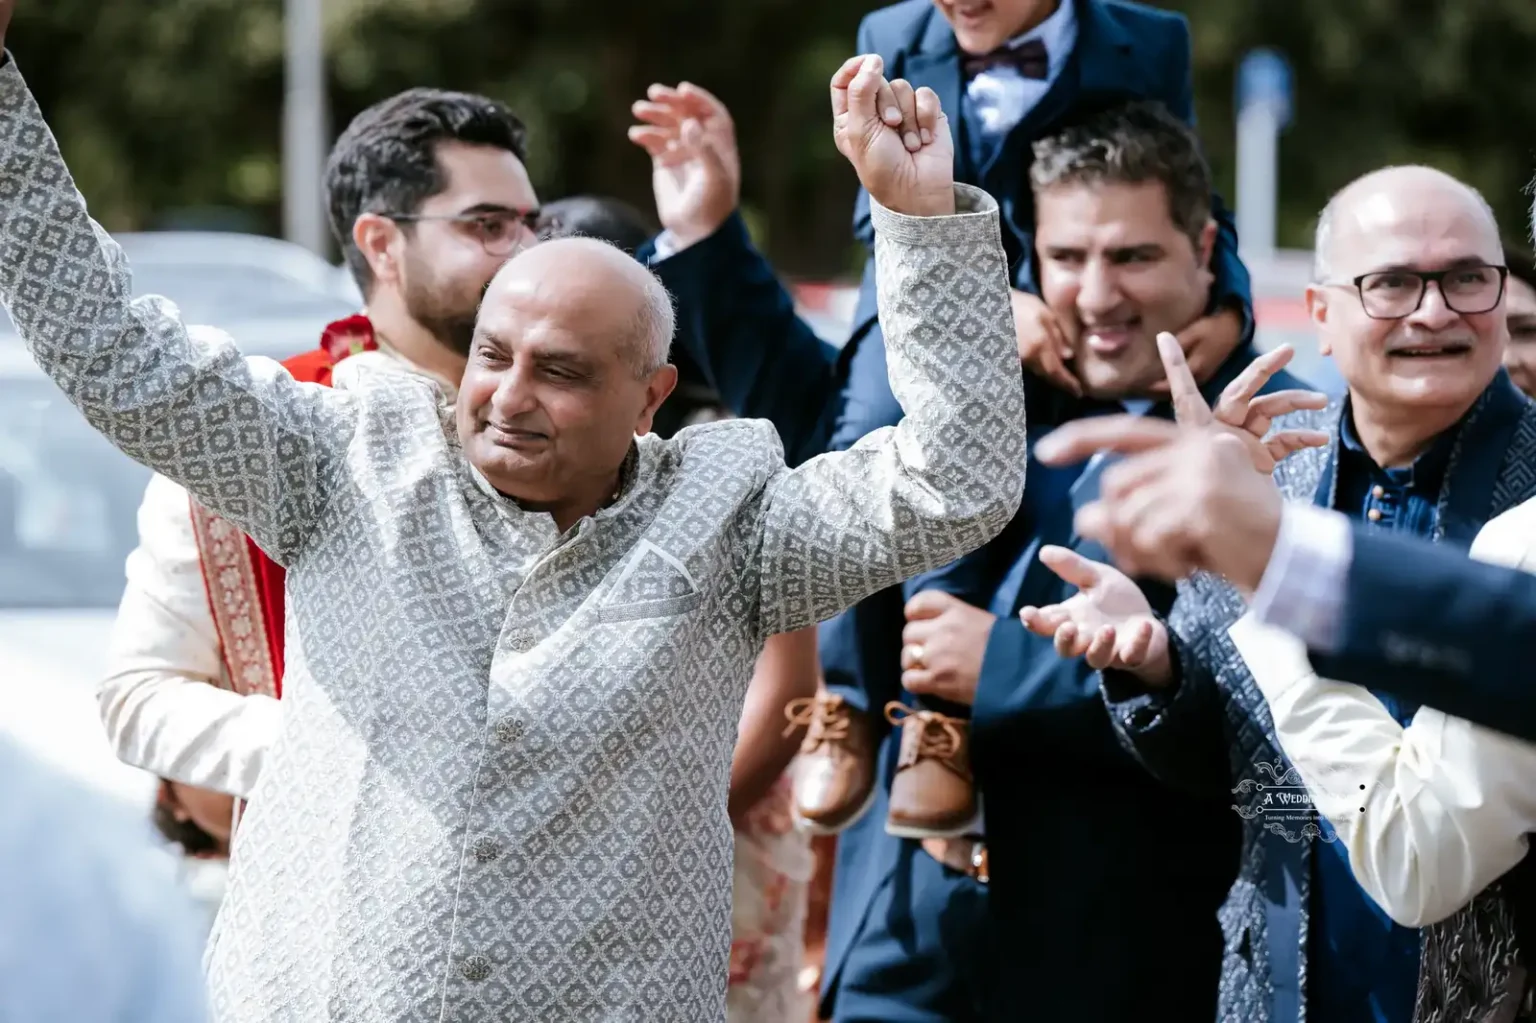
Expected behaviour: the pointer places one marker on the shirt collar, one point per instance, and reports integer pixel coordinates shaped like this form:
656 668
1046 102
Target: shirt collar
1427 473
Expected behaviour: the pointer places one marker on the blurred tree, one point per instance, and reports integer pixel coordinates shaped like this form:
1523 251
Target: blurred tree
174 105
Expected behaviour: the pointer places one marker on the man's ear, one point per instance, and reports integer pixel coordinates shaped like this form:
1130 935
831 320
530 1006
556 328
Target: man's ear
378 239
1317 311
661 384
1208 235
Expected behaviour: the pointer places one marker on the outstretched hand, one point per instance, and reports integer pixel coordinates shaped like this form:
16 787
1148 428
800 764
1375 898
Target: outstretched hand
897 139
1241 410
695 162
1108 622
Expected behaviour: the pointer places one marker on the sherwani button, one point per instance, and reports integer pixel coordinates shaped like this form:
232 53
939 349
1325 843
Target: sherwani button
508 730
486 850
476 968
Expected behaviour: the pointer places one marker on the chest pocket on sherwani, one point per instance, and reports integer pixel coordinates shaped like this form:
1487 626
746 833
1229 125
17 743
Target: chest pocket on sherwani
652 584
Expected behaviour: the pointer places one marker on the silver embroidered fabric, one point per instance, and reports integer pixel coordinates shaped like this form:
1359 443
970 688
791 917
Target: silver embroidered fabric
499 788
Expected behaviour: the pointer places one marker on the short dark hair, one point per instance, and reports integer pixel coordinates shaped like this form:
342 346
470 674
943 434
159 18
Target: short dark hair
386 160
1131 144
1521 262
593 216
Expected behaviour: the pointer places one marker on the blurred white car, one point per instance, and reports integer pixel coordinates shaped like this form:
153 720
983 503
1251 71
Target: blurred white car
68 499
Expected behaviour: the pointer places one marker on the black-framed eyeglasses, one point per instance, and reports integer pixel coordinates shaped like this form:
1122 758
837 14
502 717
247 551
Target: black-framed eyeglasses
1394 294
499 232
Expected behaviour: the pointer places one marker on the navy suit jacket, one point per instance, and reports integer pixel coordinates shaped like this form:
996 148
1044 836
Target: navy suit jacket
1464 643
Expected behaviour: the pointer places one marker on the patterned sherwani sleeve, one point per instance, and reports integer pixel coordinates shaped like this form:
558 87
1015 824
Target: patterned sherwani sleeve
249 441
916 496
160 700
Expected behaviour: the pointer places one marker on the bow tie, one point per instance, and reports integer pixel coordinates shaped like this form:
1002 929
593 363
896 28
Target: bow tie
1028 59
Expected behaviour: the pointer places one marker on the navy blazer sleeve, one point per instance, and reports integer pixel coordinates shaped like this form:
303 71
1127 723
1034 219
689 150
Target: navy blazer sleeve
1427 624
738 323
1233 287
1177 732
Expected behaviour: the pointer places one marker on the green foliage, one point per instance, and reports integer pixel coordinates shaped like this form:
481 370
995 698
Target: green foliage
165 105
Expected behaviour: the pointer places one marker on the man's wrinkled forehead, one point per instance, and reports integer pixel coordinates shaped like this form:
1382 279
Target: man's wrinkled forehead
1413 227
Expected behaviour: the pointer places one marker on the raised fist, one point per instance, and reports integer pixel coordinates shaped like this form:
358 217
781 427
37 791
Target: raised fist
897 139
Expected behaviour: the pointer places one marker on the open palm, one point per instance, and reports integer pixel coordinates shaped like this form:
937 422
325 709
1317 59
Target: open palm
1108 622
695 162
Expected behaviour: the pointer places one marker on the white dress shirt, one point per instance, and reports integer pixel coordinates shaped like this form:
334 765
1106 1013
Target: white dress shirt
1430 814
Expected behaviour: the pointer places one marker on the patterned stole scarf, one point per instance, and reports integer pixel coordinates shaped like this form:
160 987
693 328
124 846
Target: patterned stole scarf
245 587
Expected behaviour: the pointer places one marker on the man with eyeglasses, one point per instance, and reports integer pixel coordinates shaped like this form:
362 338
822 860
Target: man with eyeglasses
1432 442
428 197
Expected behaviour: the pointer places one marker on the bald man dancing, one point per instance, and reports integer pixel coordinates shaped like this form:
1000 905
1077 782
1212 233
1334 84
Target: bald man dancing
499 787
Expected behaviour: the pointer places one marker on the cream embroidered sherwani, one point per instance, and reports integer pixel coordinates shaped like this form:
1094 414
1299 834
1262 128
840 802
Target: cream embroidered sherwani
1431 814
498 789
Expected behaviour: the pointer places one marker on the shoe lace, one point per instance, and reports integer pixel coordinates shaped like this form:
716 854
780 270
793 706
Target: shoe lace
938 736
824 717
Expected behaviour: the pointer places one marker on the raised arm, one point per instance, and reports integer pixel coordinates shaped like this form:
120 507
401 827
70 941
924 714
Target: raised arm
160 702
241 435
949 477
735 319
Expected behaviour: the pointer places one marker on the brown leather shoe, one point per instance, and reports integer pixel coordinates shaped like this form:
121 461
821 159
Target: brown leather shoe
933 794
835 775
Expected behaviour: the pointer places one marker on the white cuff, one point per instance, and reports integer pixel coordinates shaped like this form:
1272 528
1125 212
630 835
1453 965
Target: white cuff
666 246
1305 585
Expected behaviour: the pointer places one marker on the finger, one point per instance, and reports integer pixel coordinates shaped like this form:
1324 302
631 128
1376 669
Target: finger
663 115
653 140
939 128
868 94
1080 439
890 109
661 93
929 113
1060 352
704 102
1056 371
1044 621
918 680
1288 442
1189 406
919 632
1059 336
1278 403
910 659
1236 396
1070 566
1136 643
906 101
929 604
1145 472
1101 650
842 81
1066 640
